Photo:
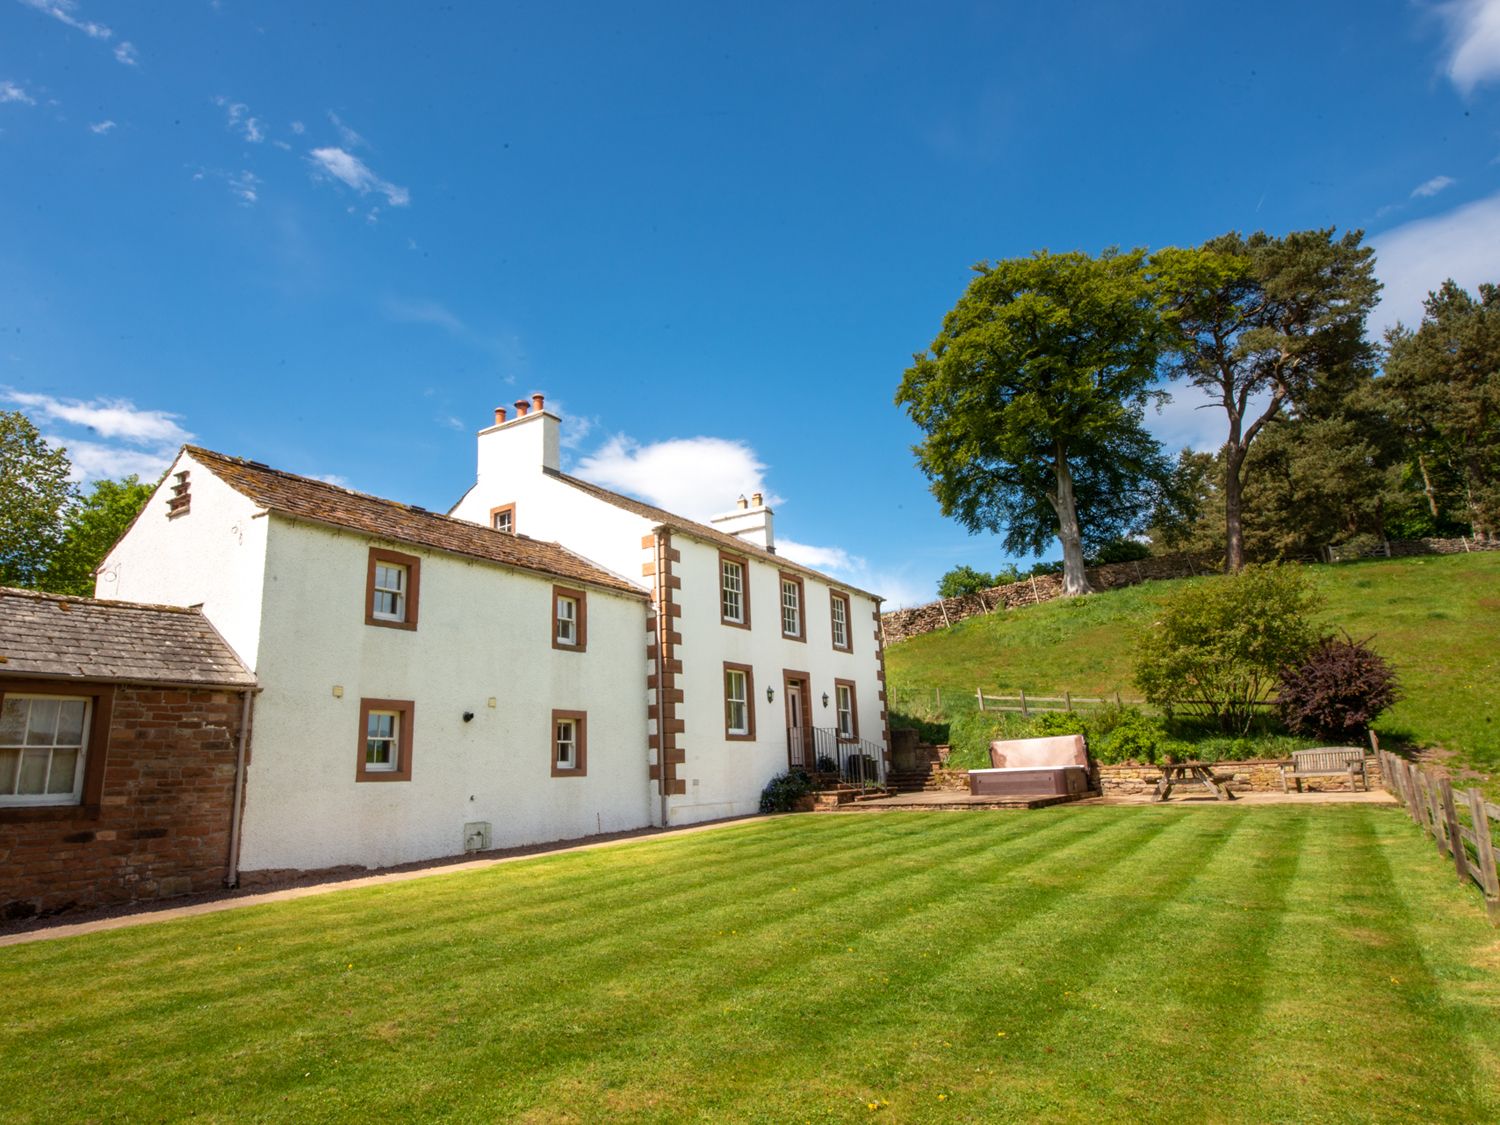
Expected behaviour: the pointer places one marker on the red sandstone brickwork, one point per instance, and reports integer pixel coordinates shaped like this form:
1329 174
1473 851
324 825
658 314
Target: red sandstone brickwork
161 827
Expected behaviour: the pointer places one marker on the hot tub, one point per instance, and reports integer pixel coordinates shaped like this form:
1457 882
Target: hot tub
1057 766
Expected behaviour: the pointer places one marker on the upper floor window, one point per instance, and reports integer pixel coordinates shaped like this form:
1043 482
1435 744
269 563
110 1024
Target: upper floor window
503 518
391 589
569 743
570 625
838 609
848 717
791 607
43 744
739 702
385 727
734 591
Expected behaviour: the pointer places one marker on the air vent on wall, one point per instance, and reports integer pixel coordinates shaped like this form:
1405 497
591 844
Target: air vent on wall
177 503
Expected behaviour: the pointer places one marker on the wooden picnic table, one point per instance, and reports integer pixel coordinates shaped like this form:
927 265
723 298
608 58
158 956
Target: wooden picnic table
1187 773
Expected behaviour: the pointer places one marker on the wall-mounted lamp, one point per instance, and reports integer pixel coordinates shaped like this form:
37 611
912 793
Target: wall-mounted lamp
468 716
770 694
825 699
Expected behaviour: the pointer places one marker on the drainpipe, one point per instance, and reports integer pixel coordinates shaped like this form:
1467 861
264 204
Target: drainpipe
661 712
236 816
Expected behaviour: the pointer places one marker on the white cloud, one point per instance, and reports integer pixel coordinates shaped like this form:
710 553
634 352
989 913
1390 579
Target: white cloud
333 479
1415 258
64 12
897 587
239 120
298 128
819 558
93 460
107 417
422 312
1473 41
127 54
697 477
101 127
1431 187
350 138
14 92
353 172
243 185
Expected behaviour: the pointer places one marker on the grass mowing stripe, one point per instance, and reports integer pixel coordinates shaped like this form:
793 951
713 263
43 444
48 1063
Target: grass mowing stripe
124 1033
1343 947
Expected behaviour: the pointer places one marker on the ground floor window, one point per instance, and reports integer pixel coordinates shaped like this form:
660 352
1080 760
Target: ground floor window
569 743
385 740
43 740
848 717
739 702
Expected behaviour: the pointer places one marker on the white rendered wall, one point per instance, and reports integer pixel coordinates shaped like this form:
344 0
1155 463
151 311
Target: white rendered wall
482 632
724 778
214 556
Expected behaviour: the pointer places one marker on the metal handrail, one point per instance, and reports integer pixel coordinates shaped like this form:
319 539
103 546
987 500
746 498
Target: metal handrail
823 752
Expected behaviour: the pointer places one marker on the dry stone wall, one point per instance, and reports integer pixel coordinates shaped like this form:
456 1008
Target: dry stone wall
902 623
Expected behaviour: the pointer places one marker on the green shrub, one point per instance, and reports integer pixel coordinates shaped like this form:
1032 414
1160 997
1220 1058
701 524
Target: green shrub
1337 690
971 733
784 790
963 580
1049 723
1218 646
1131 736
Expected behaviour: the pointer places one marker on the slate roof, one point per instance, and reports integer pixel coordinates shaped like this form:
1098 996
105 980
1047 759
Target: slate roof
124 642
319 502
703 531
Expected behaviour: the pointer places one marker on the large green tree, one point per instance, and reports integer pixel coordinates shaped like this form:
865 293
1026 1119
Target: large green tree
34 495
1032 399
1267 325
1443 379
90 528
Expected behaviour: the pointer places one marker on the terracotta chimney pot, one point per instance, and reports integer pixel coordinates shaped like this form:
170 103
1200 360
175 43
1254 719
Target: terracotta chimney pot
520 408
536 402
757 500
499 415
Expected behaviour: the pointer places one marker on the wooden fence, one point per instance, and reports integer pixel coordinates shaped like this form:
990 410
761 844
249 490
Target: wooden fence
1067 701
1437 810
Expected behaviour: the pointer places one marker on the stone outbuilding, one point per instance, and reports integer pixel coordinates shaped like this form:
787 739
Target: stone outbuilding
123 736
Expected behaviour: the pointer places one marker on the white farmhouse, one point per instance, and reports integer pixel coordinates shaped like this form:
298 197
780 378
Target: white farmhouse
757 664
427 687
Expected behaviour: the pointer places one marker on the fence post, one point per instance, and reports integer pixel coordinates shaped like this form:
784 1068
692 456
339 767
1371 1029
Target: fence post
1435 812
979 691
1486 848
1414 784
1025 714
1455 835
938 694
1118 703
1068 701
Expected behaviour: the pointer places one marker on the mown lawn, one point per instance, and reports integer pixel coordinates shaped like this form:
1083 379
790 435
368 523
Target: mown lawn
1242 963
1436 618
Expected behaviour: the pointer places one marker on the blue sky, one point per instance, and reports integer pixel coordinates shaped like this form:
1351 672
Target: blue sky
332 237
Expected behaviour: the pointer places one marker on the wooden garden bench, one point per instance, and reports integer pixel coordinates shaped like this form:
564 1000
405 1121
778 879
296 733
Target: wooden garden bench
1327 761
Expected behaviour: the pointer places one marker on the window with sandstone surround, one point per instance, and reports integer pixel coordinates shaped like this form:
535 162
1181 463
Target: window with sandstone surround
503 518
385 740
838 611
734 590
845 709
739 702
570 743
791 608
392 588
570 619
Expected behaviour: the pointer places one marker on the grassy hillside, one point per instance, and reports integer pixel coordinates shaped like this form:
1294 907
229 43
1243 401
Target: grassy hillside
1437 619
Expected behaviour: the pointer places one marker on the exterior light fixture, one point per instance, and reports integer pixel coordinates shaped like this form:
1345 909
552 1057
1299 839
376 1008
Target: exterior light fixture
770 694
469 716
825 699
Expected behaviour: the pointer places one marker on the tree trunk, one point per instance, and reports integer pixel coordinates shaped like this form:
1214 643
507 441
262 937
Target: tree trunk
1432 503
1234 530
1075 578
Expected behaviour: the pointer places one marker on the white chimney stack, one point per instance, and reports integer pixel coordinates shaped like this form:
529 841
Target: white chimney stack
750 521
526 444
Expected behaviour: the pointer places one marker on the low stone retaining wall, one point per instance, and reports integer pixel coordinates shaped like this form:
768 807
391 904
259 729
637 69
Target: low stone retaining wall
1260 775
